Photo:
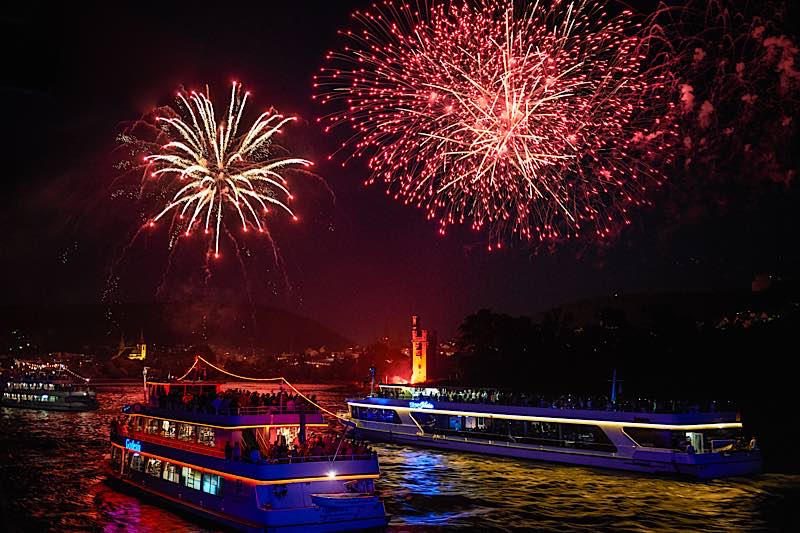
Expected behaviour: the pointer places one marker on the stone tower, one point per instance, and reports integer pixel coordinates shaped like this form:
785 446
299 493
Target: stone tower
419 352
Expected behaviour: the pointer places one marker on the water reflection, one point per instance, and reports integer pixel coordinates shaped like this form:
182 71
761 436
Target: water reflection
52 472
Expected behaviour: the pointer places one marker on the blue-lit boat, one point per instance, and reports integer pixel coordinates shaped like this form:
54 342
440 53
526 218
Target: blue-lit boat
180 453
694 443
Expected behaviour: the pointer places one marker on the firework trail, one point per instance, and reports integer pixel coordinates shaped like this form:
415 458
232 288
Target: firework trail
209 171
536 123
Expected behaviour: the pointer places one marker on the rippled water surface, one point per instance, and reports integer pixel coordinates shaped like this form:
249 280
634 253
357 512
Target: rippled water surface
52 479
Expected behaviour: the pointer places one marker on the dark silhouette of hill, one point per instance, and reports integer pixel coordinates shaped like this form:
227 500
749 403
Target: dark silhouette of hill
643 309
89 326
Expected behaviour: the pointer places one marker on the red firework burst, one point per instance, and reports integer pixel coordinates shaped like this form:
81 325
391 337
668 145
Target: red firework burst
537 123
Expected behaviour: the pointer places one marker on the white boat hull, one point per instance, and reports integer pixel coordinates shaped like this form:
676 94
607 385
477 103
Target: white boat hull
705 466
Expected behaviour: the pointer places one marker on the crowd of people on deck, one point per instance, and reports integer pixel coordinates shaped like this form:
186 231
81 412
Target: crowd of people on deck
565 401
317 447
231 401
121 426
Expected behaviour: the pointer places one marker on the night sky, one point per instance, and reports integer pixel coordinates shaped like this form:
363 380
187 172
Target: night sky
360 264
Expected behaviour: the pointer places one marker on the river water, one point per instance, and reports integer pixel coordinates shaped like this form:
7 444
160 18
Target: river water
52 479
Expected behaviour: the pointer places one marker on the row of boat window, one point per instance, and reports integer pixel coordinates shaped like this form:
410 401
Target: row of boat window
375 414
190 477
30 386
702 440
175 430
564 435
29 397
568 435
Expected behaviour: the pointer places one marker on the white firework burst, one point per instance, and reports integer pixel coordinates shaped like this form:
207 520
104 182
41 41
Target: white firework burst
214 169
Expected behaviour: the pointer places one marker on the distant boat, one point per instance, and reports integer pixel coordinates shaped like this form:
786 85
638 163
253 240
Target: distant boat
176 448
50 386
681 442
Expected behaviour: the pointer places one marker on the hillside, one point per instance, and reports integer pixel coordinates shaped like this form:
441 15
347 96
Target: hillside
87 327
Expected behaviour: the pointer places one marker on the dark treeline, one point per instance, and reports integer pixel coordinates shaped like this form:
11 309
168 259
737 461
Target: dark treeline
746 356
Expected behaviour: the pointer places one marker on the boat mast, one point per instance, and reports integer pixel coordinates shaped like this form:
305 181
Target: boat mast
614 387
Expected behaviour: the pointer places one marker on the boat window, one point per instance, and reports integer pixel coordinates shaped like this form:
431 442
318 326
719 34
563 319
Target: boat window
705 440
171 473
377 414
137 462
152 426
205 435
656 438
212 484
187 432
116 456
562 435
153 467
168 428
191 478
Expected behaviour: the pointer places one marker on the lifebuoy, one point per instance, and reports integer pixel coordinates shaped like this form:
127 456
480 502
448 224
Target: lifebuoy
137 408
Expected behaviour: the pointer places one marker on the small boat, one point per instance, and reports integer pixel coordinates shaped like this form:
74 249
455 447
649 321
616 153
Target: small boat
49 386
224 455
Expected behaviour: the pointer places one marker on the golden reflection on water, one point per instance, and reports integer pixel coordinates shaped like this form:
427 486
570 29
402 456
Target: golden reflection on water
425 487
51 469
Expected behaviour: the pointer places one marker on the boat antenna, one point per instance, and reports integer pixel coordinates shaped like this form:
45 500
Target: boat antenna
372 381
615 387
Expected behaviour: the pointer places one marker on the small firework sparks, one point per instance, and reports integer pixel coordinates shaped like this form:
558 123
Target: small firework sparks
534 123
738 92
212 168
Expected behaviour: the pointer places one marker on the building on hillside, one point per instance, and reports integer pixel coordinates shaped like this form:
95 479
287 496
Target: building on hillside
136 352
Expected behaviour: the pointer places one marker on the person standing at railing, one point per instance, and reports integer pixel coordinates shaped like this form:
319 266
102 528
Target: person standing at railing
237 451
228 451
255 456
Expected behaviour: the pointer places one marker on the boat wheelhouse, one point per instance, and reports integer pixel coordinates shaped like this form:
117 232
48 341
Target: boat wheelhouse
49 386
224 455
673 440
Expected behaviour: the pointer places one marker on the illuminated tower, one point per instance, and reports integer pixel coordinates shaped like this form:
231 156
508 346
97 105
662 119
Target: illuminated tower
419 352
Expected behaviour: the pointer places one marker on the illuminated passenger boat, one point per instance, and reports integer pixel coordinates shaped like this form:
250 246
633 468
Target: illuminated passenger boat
220 464
697 444
50 386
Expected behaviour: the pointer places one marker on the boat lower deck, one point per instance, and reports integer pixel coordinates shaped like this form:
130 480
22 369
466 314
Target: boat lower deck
240 511
702 466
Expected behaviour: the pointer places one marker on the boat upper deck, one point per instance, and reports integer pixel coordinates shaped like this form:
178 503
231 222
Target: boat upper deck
491 402
209 404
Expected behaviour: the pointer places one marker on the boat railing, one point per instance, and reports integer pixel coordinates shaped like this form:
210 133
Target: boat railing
573 403
321 458
267 410
240 411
